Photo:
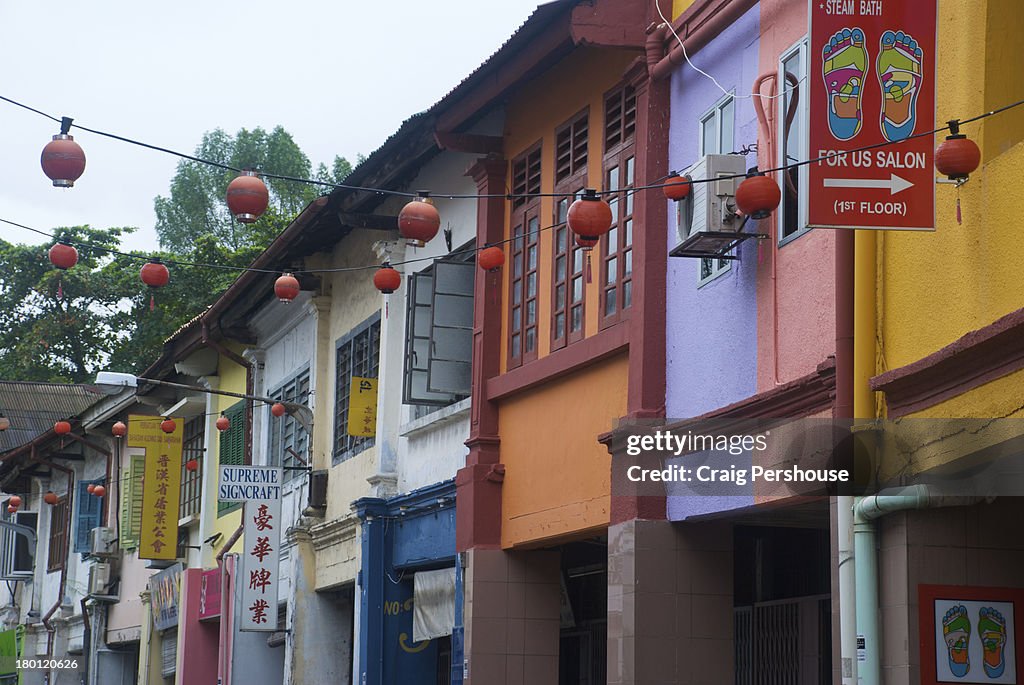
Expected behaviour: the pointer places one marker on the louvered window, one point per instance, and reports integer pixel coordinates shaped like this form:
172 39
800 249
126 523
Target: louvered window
571 140
232 447
289 442
58 552
131 501
619 166
525 177
192 449
88 514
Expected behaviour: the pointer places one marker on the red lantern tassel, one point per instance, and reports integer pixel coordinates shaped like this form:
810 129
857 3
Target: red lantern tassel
959 216
152 303
60 289
588 266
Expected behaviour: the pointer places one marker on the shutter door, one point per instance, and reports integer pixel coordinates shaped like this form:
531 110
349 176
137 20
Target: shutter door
169 653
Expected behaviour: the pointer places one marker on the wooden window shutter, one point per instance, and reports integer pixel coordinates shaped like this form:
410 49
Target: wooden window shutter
131 502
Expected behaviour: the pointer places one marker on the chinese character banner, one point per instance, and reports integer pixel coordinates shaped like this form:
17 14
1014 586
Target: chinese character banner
161 484
261 558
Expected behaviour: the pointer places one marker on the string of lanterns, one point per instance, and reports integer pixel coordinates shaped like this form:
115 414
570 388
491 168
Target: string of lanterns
589 217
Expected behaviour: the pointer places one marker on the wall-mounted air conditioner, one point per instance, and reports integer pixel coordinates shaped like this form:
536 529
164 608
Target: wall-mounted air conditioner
710 208
99 578
706 219
102 542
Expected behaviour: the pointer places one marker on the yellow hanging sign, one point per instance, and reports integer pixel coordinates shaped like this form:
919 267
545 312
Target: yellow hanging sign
161 484
362 407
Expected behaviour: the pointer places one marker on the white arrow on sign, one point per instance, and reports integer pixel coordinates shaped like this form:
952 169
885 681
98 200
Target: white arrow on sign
895 184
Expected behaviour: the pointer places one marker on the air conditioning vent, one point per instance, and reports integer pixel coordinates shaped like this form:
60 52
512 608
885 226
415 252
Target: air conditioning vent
99 578
706 219
102 542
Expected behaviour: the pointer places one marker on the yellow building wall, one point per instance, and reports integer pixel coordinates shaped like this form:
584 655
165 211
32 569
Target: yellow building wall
680 6
232 379
935 287
580 80
557 476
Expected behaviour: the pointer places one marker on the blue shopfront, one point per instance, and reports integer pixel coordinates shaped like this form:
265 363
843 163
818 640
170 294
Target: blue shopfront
407 588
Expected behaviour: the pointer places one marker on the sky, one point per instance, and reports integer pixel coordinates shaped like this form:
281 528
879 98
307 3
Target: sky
339 76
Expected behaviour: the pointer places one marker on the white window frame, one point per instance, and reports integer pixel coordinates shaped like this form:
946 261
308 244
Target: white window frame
719 267
798 48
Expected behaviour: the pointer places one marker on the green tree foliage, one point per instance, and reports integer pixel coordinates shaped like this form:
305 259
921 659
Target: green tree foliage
196 205
53 323
65 326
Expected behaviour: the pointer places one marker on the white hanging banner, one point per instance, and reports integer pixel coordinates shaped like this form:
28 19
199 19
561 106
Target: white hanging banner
258 580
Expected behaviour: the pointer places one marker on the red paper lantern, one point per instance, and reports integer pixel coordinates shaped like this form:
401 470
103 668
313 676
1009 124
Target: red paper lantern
99 491
286 288
586 243
168 425
63 160
62 427
63 255
758 195
419 220
223 423
154 273
386 279
119 430
491 258
278 409
676 188
14 501
192 465
90 488
247 197
50 498
11 508
589 216
958 156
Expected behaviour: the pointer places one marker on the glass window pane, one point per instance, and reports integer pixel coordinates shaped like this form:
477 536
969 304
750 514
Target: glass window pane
563 209
708 137
609 302
627 294
516 317
577 289
628 262
531 339
629 204
531 312
614 204
613 178
577 261
577 317
612 271
613 240
559 296
559 325
517 294
726 143
629 233
560 268
560 238
630 164
531 285
531 257
515 345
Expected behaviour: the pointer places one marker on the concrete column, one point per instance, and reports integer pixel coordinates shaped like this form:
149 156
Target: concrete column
670 603
512 617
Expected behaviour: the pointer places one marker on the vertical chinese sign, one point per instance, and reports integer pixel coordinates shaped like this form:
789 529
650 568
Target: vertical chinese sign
161 485
872 85
362 407
260 488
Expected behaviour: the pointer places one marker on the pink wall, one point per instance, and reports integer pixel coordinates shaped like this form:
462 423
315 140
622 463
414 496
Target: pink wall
796 302
197 641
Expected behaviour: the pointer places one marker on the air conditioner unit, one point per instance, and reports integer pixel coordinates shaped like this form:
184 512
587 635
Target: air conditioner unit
102 542
706 220
99 578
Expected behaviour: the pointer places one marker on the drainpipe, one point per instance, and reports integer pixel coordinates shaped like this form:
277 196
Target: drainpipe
844 411
867 510
51 631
